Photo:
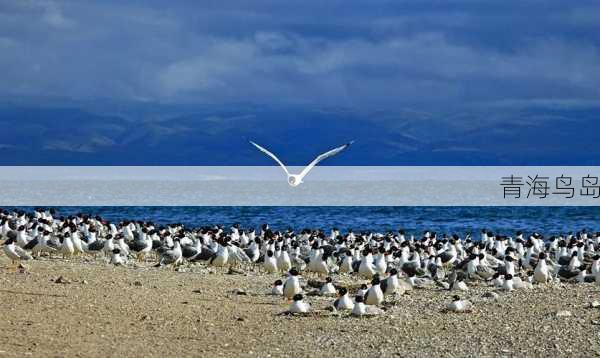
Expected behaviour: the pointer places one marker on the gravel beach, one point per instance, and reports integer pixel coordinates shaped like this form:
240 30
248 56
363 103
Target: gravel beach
86 308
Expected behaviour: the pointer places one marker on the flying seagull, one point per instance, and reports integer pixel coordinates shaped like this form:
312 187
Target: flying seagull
296 179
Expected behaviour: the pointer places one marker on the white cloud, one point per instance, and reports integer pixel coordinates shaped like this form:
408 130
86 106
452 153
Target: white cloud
54 17
47 12
273 41
209 70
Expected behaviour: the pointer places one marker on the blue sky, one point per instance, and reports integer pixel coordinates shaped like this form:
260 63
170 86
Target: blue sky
465 65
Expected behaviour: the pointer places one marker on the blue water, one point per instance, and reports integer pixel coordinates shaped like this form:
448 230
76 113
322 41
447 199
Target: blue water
504 220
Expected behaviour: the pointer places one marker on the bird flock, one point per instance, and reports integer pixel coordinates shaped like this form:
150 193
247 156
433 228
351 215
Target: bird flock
383 264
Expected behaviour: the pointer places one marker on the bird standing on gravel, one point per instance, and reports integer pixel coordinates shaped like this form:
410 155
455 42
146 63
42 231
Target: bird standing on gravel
141 246
124 248
221 257
237 256
22 237
109 245
291 286
270 262
67 248
374 295
391 284
380 264
171 256
346 265
14 252
541 273
321 264
43 244
366 268
253 250
596 268
283 260
93 247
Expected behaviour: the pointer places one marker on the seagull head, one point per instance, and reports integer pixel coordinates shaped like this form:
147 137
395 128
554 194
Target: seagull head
294 180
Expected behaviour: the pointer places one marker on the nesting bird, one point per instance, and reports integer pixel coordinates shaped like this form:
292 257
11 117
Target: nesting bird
343 302
327 289
277 289
298 305
459 305
374 295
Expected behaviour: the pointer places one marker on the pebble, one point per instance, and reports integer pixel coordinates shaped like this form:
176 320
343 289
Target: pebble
563 313
234 271
137 283
594 304
62 280
491 295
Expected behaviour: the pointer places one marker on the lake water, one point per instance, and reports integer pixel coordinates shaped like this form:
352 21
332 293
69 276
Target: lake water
505 220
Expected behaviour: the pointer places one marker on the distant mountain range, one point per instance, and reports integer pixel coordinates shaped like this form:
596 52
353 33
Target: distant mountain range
147 134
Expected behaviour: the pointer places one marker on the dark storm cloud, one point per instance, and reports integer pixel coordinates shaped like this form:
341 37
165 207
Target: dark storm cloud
336 53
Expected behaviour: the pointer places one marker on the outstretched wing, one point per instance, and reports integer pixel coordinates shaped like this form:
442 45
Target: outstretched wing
323 156
270 155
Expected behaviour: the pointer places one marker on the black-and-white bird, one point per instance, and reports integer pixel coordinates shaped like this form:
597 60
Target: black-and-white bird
343 302
374 295
459 305
327 289
277 289
172 256
291 286
298 305
15 253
